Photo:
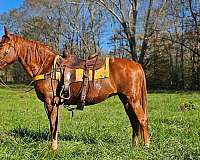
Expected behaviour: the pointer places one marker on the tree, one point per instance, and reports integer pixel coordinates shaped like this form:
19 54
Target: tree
126 13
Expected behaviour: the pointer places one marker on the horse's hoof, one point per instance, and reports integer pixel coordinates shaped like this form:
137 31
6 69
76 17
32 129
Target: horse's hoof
135 142
147 145
54 146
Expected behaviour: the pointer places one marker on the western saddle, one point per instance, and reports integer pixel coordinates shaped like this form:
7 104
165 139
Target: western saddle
93 63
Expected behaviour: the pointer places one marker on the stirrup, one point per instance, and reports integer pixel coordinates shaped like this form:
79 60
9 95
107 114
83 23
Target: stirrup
62 93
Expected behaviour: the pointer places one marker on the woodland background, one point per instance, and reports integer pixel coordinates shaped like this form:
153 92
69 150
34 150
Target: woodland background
162 35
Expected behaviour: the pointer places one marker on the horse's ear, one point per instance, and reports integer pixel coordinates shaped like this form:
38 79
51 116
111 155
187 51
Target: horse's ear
6 31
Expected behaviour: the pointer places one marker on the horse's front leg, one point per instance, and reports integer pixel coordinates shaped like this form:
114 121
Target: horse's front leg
53 115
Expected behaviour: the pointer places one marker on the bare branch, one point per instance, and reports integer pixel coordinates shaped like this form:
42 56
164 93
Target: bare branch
174 41
102 3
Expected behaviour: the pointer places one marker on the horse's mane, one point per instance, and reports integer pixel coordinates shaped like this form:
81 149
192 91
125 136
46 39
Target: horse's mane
31 50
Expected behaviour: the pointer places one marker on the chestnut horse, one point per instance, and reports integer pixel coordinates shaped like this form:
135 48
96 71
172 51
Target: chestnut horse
127 80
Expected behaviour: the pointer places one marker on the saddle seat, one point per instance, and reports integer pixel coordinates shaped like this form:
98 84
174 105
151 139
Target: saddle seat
93 62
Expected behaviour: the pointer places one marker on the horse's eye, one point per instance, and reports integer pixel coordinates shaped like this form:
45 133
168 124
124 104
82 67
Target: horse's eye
7 51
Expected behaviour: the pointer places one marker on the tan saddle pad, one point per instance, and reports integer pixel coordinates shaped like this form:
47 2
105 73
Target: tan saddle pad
101 73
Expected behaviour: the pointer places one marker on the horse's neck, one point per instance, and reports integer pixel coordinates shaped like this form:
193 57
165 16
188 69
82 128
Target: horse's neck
35 59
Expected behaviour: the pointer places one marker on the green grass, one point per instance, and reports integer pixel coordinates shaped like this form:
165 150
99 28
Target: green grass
101 131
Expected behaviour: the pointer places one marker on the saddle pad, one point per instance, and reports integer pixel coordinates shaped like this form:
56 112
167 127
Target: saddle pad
103 72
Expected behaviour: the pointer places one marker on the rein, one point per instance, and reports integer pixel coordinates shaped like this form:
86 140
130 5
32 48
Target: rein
55 74
51 75
3 83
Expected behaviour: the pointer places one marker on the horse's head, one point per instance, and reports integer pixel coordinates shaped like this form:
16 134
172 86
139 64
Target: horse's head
7 49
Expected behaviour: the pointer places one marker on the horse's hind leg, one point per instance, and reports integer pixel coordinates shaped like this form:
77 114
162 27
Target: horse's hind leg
133 119
141 116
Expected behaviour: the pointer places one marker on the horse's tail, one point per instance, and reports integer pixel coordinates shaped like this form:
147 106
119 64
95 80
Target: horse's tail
144 94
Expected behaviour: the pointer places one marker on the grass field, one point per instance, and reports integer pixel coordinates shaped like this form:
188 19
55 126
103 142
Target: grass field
101 131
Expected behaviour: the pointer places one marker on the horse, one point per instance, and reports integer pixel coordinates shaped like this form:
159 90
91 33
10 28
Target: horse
126 79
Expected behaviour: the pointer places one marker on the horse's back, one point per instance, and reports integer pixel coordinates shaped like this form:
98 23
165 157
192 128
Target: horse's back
126 74
125 67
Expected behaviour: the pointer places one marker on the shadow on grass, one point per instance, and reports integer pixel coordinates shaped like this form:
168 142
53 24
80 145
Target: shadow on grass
87 139
35 136
30 134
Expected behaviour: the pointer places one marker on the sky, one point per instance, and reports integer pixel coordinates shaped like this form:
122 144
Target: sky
7 5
